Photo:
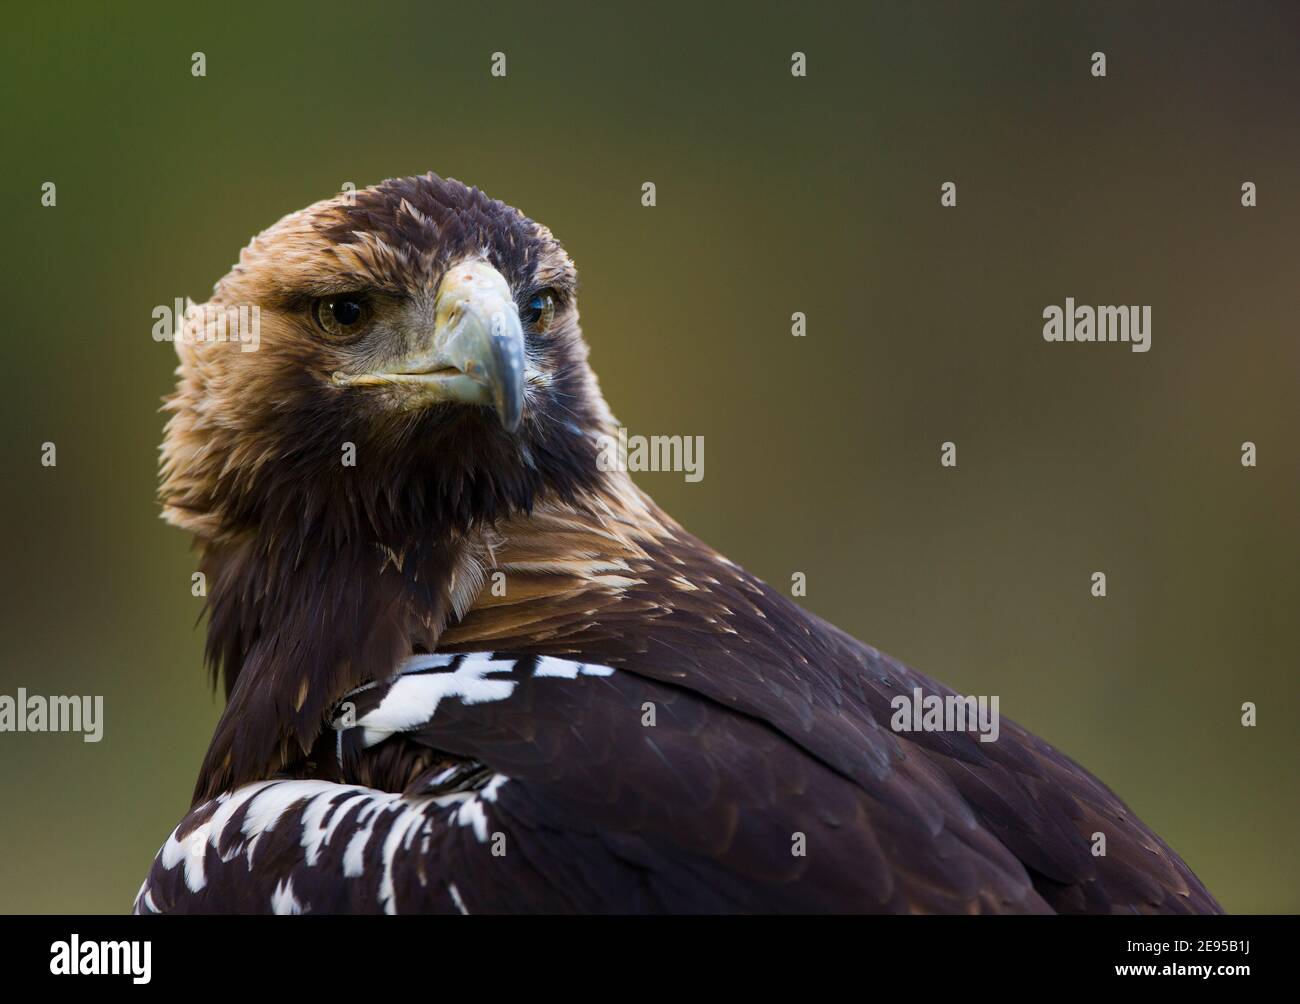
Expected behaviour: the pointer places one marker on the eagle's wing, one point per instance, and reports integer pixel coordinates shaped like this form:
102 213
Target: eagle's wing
599 790
702 626
831 696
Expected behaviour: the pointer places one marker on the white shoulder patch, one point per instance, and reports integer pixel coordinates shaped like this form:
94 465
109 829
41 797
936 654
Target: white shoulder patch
568 670
415 695
475 678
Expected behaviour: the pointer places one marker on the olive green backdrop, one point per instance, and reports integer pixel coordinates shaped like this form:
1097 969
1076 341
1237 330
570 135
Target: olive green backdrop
775 195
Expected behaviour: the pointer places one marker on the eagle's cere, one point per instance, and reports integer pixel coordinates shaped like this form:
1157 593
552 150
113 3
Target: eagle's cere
633 723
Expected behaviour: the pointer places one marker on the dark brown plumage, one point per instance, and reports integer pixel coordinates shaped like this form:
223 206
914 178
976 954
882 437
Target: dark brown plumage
770 724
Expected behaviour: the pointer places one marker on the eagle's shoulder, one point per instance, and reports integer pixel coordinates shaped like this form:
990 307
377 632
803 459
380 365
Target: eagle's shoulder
606 792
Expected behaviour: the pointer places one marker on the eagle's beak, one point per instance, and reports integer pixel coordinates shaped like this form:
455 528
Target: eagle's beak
475 354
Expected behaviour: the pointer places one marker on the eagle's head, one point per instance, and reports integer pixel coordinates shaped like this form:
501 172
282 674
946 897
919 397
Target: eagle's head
406 355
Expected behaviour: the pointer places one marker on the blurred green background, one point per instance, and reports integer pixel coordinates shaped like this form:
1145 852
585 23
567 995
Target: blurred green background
822 454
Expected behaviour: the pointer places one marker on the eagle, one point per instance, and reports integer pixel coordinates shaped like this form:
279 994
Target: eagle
471 668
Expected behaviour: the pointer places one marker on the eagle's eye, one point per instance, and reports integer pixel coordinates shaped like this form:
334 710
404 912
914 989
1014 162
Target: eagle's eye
540 311
340 316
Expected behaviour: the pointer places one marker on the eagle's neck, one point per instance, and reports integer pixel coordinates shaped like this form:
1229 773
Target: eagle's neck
549 578
294 628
